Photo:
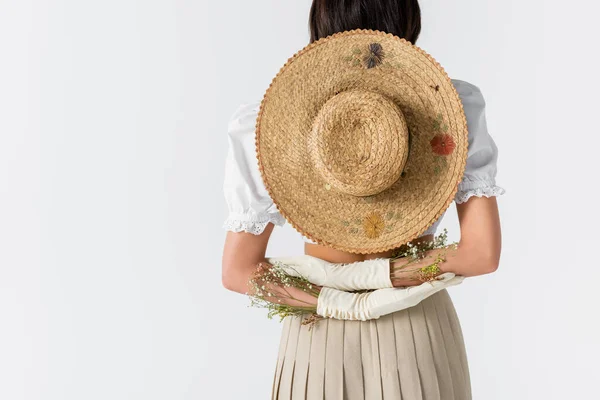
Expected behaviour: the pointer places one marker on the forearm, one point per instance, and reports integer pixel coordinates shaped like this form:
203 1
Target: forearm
239 280
461 259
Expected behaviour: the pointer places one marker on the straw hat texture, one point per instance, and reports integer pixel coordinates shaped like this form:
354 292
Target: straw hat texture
361 141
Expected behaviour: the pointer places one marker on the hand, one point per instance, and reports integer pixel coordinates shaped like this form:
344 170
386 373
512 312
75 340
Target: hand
333 303
360 275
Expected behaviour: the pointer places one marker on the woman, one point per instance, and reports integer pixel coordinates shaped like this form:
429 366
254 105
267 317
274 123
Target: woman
415 353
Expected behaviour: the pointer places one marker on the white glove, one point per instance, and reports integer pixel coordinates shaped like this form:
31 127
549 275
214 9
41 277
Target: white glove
333 303
360 275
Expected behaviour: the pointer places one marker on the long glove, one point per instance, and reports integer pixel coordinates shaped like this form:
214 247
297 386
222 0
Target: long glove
360 275
334 303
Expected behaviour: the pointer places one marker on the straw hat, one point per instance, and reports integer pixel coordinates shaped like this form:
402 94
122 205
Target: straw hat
361 140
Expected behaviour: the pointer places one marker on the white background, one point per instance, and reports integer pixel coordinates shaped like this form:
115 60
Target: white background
113 119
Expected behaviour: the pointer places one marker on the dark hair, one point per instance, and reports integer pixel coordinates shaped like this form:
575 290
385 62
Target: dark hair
399 17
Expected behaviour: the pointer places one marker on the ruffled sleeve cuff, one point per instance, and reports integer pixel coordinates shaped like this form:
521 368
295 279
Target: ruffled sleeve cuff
477 187
254 224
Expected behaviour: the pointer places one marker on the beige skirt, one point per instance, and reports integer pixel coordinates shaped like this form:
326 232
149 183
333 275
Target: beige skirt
413 354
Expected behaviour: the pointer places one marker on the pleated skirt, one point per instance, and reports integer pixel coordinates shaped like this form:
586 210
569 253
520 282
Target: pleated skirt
414 354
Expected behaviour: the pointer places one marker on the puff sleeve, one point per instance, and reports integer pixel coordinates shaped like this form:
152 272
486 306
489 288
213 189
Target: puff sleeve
249 205
479 178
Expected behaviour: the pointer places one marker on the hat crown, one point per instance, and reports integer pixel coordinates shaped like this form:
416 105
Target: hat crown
359 142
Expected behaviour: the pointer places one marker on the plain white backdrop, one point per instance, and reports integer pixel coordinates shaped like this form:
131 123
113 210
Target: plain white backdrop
113 118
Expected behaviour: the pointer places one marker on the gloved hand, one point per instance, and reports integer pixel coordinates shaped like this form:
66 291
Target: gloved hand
360 275
334 303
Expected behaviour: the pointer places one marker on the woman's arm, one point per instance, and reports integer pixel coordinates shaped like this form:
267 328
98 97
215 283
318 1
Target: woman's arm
478 251
241 254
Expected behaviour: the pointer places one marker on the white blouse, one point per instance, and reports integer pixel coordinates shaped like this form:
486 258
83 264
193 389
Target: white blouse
251 208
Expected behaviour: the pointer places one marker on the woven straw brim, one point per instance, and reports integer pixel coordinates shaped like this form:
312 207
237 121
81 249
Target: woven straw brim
437 130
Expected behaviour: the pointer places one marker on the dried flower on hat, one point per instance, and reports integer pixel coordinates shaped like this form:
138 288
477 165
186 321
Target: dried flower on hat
442 144
374 56
373 225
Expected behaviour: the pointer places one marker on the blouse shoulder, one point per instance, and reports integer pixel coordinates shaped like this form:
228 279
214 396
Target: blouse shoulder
481 168
465 88
244 116
249 205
